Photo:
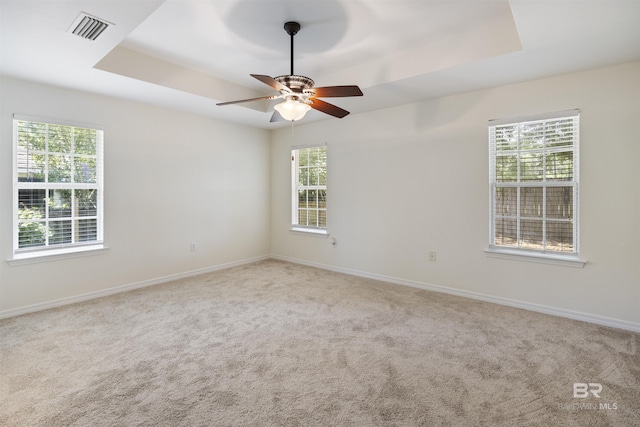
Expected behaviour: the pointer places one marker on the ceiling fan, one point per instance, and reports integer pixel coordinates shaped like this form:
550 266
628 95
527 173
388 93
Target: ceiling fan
298 92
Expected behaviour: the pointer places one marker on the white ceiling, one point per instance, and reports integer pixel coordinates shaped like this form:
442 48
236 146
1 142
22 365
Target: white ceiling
191 54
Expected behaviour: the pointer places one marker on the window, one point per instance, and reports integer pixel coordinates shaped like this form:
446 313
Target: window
309 188
57 187
534 184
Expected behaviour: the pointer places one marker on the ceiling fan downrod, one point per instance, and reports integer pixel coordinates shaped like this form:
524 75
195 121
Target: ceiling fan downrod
292 29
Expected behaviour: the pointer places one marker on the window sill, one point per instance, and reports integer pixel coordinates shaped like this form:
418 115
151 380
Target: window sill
56 254
513 254
311 231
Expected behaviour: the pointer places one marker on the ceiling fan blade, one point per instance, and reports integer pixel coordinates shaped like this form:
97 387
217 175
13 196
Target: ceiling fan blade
271 82
247 100
327 108
276 117
336 91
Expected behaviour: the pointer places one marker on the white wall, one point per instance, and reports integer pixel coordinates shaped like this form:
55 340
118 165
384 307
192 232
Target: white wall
412 179
171 178
402 182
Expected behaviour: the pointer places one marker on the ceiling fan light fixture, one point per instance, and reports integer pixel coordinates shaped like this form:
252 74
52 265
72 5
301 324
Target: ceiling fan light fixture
292 109
298 92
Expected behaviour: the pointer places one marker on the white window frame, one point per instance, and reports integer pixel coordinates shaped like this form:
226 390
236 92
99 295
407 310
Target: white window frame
296 187
520 251
55 251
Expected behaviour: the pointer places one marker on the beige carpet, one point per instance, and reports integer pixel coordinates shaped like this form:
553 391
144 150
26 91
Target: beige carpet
279 344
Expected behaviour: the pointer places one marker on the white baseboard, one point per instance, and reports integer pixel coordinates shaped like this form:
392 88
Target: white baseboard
123 288
554 311
585 317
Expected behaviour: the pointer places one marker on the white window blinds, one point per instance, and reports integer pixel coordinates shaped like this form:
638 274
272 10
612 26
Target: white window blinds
534 183
309 187
58 185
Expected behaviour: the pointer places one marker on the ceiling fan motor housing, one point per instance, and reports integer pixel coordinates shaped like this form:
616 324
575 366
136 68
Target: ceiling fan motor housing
296 83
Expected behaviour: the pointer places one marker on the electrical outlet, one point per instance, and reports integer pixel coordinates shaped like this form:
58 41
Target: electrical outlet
192 246
432 256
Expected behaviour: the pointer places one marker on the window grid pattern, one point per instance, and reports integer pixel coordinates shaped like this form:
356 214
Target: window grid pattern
309 187
534 185
58 185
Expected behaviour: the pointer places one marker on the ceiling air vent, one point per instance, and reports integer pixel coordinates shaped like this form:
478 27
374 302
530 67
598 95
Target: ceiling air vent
88 27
